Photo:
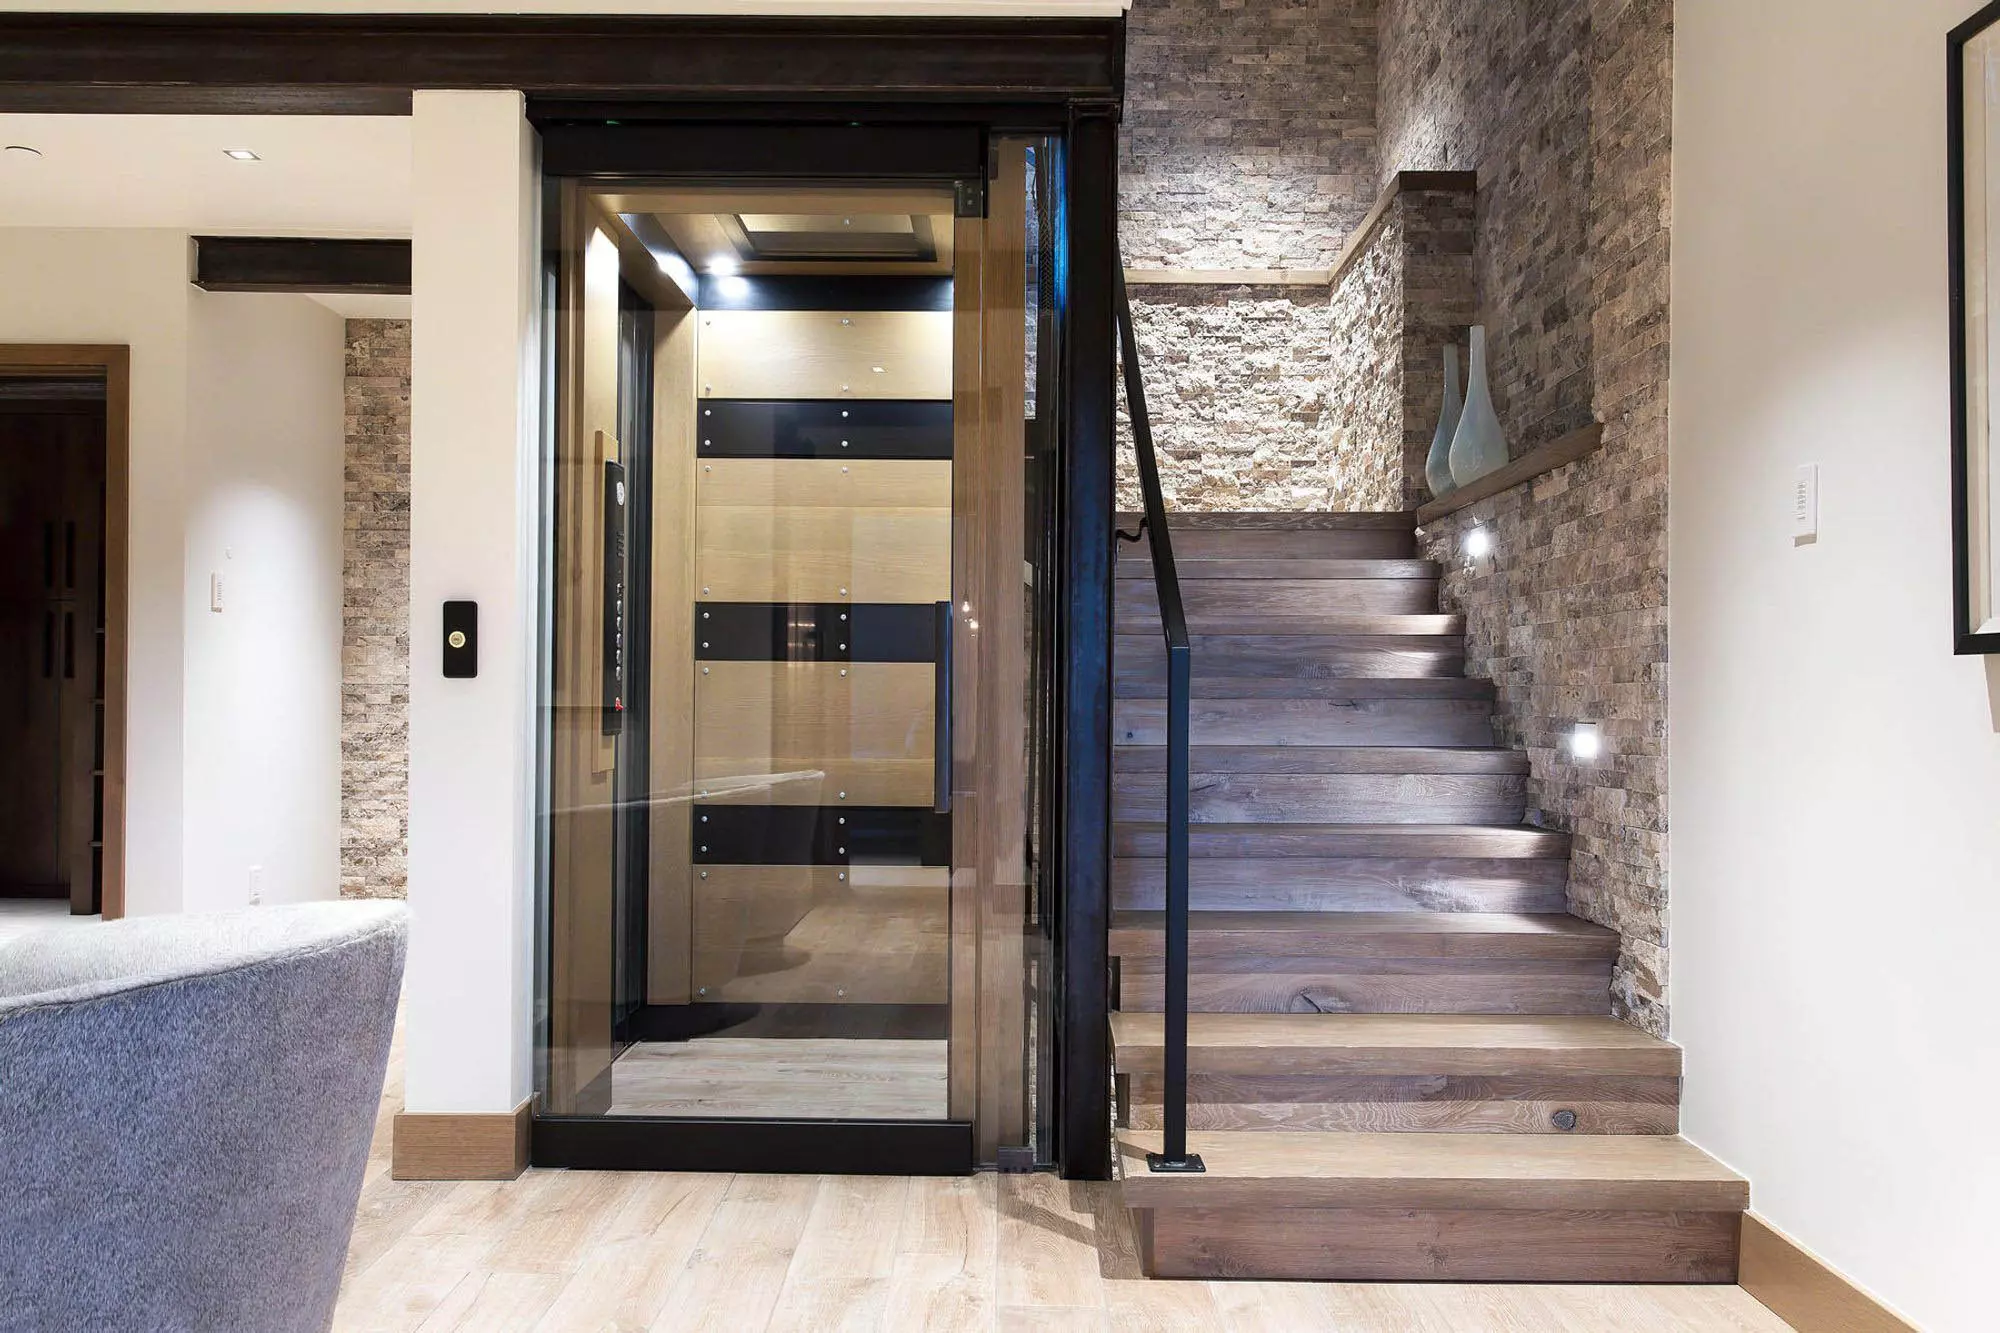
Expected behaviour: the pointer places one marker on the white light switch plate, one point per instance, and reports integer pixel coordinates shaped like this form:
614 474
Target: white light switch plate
1805 503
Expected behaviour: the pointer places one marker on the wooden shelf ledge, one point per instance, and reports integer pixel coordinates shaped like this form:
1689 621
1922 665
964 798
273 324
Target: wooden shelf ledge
1404 182
1546 458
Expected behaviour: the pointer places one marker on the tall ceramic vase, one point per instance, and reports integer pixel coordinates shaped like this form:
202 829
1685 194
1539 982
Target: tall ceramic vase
1478 448
1437 467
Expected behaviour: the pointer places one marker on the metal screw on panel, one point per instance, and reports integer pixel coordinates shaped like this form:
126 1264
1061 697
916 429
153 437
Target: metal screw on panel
843 672
704 819
1564 1120
704 643
840 992
704 615
704 874
843 648
704 671
842 851
843 444
843 819
843 796
843 592
843 472
708 411
704 592
702 991
706 467
843 877
704 849
843 615
708 444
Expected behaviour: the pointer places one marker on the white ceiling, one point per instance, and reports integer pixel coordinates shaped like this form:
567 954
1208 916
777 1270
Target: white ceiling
317 175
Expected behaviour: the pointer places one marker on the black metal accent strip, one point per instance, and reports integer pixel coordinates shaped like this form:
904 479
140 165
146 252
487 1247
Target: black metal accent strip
846 151
865 429
798 291
877 1022
813 632
778 1147
300 264
820 835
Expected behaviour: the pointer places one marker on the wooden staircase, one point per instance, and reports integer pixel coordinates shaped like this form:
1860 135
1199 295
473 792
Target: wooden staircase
1401 1059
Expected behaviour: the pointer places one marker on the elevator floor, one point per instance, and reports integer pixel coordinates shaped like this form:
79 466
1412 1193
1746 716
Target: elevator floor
819 1078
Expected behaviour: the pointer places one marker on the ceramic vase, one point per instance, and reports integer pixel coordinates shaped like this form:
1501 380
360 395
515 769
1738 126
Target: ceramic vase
1437 467
1478 448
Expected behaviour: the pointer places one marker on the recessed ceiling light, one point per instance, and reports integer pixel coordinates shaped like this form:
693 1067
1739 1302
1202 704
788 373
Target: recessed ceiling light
722 266
24 150
241 155
880 370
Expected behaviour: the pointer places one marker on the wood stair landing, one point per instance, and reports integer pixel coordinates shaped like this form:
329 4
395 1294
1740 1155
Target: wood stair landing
1401 1059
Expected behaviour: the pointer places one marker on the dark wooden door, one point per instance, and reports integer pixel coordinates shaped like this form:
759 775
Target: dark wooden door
51 532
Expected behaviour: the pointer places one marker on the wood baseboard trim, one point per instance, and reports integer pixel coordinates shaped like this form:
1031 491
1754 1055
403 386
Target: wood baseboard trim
460 1147
1804 1290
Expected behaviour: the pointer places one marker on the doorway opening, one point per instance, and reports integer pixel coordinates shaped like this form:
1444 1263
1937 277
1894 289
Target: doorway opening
799 669
62 628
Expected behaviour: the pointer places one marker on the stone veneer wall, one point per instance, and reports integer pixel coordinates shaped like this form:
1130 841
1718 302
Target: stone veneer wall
1249 143
1406 294
1564 108
375 642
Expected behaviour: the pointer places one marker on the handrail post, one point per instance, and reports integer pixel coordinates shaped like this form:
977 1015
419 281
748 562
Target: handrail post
1173 1155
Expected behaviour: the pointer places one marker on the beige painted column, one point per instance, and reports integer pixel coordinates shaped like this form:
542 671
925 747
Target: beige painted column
474 424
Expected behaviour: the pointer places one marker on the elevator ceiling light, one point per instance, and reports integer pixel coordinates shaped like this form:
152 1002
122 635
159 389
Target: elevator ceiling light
240 155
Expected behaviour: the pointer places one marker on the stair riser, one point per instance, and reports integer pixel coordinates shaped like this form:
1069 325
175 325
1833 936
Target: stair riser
1269 544
1351 798
1377 986
1393 1245
1140 659
1428 1104
1139 608
1311 722
1356 884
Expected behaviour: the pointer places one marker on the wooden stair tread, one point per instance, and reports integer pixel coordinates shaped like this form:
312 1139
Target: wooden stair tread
1486 841
1252 1169
1394 759
1368 934
1281 521
1328 690
1188 568
1389 1044
1320 626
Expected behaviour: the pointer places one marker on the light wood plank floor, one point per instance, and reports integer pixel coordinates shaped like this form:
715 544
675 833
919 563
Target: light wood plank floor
781 1077
593 1251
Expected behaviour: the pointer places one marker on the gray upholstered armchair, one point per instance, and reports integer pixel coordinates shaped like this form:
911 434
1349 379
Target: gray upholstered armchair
185 1109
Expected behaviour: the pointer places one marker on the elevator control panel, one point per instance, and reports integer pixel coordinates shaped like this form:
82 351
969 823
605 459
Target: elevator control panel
461 640
614 598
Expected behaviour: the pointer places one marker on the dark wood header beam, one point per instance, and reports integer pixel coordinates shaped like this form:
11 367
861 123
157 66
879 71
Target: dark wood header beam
300 264
315 64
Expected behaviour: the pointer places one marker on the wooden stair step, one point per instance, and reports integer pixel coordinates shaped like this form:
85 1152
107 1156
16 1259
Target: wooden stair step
1334 536
1261 936
1350 883
1327 691
1444 1044
1326 759
1143 657
1234 623
1370 1207
1279 798
1399 841
1643 1172
1298 599
1352 718
1190 568
1371 963
1428 1073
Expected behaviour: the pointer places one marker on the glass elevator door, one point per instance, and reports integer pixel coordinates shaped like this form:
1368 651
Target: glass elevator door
789 876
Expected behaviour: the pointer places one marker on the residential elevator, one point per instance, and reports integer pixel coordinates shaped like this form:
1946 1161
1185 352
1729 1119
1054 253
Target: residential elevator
800 668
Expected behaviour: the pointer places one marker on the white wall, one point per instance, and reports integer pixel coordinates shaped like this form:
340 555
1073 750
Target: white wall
265 434
474 441
232 752
1835 853
130 287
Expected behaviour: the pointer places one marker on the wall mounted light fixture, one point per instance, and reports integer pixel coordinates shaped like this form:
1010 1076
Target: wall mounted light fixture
1586 742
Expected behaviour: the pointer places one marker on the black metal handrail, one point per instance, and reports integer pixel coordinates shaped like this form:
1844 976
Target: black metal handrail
1173 1154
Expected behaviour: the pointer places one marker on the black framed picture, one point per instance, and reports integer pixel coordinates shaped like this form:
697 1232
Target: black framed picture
1973 85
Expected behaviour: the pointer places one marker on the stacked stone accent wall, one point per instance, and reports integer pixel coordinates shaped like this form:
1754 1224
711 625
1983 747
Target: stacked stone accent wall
1564 108
1249 143
375 613
1406 294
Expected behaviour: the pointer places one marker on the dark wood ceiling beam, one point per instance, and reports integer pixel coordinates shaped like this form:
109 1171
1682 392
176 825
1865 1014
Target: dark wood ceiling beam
356 64
301 264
